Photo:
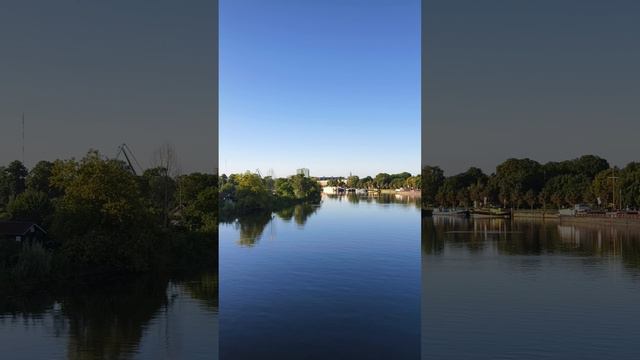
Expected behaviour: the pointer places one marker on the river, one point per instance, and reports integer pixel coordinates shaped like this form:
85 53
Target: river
146 317
335 281
501 289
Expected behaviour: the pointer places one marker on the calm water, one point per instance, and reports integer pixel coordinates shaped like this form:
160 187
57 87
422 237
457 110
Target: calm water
339 281
143 318
497 289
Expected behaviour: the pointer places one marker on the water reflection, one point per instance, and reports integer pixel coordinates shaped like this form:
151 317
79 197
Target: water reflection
251 227
108 320
402 199
522 289
530 237
335 281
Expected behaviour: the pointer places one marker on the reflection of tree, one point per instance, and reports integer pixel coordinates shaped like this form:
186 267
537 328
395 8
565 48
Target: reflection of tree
25 305
107 321
400 199
452 230
285 214
204 289
301 213
432 237
353 198
530 237
251 228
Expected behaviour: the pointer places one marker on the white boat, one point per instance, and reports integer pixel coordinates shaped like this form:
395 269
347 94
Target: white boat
332 190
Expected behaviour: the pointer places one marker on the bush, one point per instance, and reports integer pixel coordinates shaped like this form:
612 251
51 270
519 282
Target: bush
34 263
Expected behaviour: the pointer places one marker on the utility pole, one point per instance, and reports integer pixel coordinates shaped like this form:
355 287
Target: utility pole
613 186
544 199
620 197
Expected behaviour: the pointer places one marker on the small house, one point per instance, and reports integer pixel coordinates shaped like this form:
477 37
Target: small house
21 231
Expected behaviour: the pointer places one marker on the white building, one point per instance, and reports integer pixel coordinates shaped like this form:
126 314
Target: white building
303 171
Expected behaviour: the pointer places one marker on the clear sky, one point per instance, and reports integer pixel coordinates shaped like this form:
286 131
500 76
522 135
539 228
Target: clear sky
333 86
94 74
544 79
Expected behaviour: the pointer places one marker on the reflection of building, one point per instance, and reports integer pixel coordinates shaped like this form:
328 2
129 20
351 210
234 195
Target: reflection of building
303 171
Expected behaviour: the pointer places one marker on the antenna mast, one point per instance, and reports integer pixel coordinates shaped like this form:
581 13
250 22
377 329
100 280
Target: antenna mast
22 138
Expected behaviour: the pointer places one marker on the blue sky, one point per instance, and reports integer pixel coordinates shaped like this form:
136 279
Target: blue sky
333 86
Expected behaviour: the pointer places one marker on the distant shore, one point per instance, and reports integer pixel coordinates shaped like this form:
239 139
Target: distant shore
412 193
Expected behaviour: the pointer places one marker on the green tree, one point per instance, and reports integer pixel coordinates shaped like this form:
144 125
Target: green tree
366 182
201 214
31 205
530 197
16 174
305 188
602 186
5 191
382 181
39 178
630 185
588 166
251 193
514 177
160 189
284 188
432 180
353 181
101 219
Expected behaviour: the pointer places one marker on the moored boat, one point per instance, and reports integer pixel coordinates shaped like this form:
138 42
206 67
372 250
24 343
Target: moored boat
491 213
450 212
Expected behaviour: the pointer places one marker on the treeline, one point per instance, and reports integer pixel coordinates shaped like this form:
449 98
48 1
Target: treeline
248 193
101 218
402 180
526 183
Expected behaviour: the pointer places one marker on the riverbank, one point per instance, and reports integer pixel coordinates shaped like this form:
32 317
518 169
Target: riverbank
580 219
33 268
602 220
413 193
535 214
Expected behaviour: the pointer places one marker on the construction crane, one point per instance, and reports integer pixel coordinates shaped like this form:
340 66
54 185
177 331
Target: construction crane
126 152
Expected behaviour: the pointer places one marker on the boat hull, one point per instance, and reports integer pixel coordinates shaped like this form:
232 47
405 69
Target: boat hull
485 214
455 213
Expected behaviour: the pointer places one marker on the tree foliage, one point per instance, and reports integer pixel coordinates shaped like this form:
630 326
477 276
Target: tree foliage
100 217
520 182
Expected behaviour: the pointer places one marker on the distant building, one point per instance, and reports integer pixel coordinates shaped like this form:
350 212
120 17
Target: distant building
21 231
303 171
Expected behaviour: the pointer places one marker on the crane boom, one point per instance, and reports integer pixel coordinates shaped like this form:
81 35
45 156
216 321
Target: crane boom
128 155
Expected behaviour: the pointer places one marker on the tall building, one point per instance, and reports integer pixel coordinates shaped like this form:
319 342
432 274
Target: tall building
303 171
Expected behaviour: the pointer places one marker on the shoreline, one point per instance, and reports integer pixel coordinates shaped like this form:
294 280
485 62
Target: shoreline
600 220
